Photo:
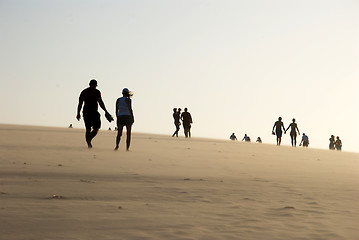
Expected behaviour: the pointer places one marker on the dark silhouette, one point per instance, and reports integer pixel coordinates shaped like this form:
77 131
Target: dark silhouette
305 141
246 138
338 144
278 125
125 117
71 126
293 132
259 140
332 142
176 116
187 121
233 137
91 96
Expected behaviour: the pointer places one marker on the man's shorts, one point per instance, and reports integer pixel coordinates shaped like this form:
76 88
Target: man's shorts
92 120
124 120
278 133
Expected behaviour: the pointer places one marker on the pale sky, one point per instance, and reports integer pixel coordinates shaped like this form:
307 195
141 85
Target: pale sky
236 65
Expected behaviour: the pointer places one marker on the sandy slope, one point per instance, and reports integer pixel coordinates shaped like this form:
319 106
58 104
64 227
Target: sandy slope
169 188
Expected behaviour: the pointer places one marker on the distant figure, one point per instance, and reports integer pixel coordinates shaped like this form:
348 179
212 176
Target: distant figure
91 96
246 138
305 141
338 144
187 121
233 137
293 132
176 116
332 142
259 140
278 125
125 117
71 126
109 129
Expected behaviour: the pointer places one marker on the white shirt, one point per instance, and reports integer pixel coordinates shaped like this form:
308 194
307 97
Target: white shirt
122 107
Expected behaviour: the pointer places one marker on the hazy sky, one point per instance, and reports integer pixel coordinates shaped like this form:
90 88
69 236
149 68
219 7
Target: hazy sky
237 65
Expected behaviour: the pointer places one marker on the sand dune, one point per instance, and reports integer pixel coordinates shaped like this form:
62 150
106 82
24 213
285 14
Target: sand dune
53 187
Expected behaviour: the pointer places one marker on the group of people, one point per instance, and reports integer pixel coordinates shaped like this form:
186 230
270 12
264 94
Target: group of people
277 130
246 138
91 98
186 119
335 144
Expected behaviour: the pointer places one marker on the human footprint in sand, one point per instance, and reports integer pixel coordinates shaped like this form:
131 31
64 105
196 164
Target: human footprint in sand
125 117
91 96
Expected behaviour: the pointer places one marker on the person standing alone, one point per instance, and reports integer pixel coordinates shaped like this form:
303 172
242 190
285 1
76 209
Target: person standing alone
125 117
91 97
187 121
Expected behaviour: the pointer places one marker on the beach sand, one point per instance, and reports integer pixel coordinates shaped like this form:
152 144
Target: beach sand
53 187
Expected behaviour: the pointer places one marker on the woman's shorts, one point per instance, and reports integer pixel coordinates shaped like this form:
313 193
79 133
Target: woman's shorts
124 120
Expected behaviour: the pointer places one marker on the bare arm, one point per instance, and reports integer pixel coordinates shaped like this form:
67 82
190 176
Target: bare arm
79 107
102 104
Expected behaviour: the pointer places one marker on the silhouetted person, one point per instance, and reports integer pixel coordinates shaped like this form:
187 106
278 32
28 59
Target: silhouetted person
293 132
246 138
278 125
71 126
91 96
338 144
125 117
176 117
305 141
259 140
233 137
187 121
332 142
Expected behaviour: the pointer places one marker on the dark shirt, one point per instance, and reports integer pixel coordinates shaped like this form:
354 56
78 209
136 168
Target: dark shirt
186 118
176 117
90 96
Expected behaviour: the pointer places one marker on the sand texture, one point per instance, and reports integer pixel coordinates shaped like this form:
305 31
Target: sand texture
52 187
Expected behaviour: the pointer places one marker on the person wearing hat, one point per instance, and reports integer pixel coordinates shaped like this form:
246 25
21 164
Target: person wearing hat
91 97
124 116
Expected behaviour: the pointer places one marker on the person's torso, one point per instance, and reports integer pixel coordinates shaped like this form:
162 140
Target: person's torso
123 107
278 125
186 117
90 96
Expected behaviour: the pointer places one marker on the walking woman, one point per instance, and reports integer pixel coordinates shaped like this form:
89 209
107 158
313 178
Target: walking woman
125 117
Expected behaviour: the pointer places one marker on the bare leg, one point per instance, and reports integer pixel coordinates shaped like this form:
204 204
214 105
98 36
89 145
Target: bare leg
119 134
128 133
90 135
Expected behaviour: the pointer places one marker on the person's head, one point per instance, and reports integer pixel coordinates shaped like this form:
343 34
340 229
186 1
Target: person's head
293 120
332 136
338 137
179 109
303 134
126 92
280 118
175 110
185 109
93 83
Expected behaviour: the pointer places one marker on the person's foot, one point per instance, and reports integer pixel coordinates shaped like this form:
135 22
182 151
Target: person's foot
116 148
89 145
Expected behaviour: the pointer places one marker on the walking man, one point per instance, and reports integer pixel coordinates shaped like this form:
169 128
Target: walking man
91 96
278 125
187 121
